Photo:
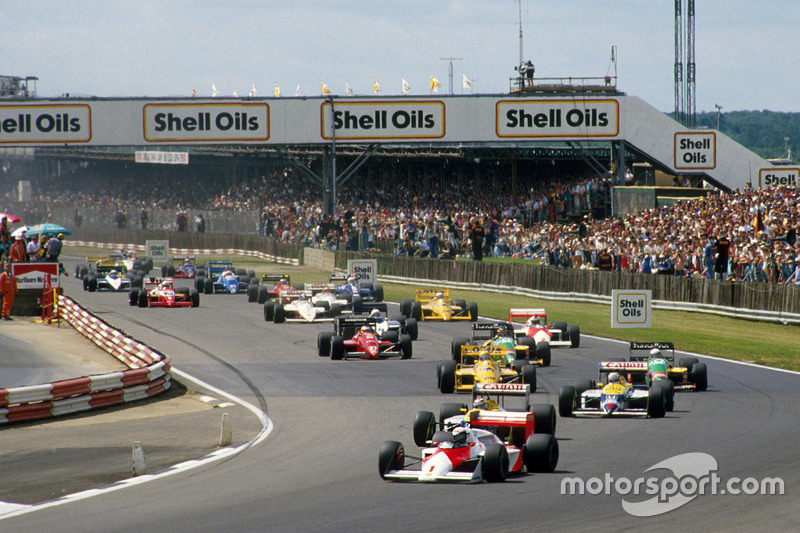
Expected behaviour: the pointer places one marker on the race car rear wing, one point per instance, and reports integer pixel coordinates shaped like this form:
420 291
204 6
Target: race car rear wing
632 371
501 390
647 346
484 418
485 330
315 288
426 295
351 323
471 352
339 276
366 307
526 313
274 279
219 266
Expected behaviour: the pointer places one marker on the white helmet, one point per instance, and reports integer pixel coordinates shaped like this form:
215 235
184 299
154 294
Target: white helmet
460 435
655 352
480 403
535 320
439 295
375 313
614 377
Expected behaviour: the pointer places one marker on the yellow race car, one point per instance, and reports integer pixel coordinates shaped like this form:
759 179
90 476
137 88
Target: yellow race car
483 364
435 304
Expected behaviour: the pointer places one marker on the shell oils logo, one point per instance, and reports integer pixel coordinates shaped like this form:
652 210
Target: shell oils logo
234 121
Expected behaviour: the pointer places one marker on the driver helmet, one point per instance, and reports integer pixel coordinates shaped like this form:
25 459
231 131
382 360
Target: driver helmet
113 273
375 313
460 435
535 320
365 329
302 297
480 403
352 281
655 352
614 377
439 295
283 281
504 329
165 284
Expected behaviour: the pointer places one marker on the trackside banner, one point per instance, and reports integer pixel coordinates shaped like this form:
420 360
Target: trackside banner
631 308
32 275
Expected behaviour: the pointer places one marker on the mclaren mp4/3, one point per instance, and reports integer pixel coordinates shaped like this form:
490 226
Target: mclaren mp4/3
355 337
557 334
471 452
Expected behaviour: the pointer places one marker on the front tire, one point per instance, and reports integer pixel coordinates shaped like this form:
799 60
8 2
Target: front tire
447 377
566 401
390 457
337 348
544 419
324 343
495 463
424 428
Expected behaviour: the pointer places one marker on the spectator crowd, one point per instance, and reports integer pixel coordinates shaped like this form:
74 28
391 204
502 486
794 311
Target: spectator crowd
559 217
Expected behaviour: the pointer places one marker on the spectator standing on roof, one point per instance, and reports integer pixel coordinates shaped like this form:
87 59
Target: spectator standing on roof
8 288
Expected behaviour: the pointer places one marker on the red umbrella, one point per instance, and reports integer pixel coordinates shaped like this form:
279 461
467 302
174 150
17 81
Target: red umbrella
11 218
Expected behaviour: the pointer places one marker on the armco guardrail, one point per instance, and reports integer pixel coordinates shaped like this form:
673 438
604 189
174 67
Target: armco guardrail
750 314
147 376
189 251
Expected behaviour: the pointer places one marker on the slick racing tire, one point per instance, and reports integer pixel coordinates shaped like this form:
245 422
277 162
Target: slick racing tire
133 297
280 314
390 457
574 334
200 282
252 293
528 375
92 284
208 286
406 348
656 402
337 348
194 294
269 311
540 453
455 347
472 309
378 293
461 303
669 393
688 362
447 376
263 294
144 299
412 328
424 428
391 335
405 307
138 281
699 376
543 353
416 311
560 325
336 310
495 463
566 401
583 385
450 409
544 418
530 348
324 343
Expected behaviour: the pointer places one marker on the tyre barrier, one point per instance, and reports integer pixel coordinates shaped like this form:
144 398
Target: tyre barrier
148 374
191 251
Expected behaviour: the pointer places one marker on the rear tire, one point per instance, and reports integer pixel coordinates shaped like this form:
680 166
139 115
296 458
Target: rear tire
405 307
405 347
378 293
195 296
252 293
133 298
144 299
412 328
574 334
543 353
416 311
529 376
449 410
656 402
208 286
699 376
337 348
541 453
263 294
472 309
688 362
544 417
269 311
280 314
455 347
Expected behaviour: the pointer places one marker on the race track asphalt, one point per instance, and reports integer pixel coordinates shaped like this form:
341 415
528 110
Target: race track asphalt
318 467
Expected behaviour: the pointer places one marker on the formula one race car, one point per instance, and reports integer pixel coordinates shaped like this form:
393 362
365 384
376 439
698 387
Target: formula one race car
161 292
356 337
435 304
300 309
502 334
106 274
472 453
557 334
182 268
617 397
486 397
395 326
657 366
268 288
352 289
481 365
223 278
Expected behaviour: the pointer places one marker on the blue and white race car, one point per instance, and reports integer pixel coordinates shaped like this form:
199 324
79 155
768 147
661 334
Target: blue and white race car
356 292
222 278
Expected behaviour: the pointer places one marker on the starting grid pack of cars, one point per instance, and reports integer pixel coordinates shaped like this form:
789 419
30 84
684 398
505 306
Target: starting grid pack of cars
484 440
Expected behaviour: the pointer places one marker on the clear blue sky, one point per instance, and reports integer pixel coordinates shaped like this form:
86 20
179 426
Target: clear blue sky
746 52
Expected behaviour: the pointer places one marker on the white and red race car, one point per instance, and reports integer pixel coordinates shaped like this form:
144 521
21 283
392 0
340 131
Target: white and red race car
470 453
300 308
557 334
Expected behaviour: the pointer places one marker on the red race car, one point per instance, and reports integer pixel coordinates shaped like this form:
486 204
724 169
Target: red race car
161 292
356 337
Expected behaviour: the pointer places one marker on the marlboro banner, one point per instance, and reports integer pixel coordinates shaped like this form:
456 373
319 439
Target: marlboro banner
31 275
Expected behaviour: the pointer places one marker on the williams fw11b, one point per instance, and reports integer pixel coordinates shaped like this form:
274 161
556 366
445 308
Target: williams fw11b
654 361
472 451
616 398
161 292
355 337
